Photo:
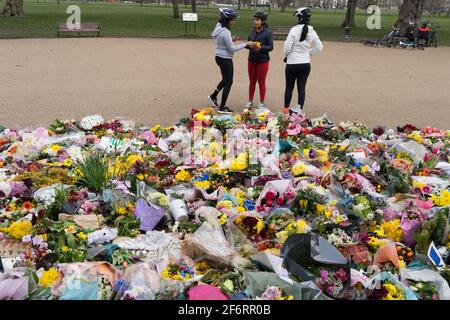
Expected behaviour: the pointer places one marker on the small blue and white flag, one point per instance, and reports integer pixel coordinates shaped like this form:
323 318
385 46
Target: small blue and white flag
435 256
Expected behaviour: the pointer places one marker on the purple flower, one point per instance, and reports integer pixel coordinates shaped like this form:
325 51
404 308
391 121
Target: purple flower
324 274
271 293
17 188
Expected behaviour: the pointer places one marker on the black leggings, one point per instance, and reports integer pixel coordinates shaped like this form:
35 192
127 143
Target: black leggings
227 70
299 72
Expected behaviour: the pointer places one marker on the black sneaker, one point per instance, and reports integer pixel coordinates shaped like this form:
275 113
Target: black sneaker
213 101
225 110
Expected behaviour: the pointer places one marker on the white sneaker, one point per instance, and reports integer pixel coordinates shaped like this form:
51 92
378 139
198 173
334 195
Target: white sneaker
262 105
249 104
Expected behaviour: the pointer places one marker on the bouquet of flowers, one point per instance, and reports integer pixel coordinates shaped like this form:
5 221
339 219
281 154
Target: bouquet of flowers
388 290
275 293
354 128
332 282
180 272
279 219
273 199
90 122
425 290
224 122
411 221
298 226
357 253
339 237
251 226
362 208
306 201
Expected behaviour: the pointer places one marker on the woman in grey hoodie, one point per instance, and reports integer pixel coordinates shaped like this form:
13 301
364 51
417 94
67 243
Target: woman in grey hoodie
225 50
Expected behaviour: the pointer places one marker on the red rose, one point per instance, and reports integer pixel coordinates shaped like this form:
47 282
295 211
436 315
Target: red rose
270 195
260 208
269 202
280 200
317 130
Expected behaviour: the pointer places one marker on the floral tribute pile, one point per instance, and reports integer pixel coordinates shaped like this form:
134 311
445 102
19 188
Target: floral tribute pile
259 205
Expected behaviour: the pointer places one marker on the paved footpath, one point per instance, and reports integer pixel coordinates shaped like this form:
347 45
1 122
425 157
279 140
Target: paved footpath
159 80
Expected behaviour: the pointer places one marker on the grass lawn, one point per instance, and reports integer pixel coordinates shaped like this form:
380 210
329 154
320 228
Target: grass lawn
134 20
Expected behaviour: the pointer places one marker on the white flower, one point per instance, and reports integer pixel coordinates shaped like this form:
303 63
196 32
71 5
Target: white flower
89 122
5 188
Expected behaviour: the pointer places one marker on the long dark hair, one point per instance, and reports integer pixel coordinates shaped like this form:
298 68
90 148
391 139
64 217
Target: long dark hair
224 22
305 22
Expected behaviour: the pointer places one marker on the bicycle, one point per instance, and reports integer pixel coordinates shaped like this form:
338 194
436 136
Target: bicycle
433 34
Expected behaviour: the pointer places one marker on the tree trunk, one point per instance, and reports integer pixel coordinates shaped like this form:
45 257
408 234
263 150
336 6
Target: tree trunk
448 12
194 5
409 12
350 14
13 8
239 4
176 11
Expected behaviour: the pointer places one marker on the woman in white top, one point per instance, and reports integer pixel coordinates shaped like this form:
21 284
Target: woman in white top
300 44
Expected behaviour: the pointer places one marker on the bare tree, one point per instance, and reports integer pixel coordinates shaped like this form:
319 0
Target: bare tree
176 10
409 12
283 4
13 8
350 14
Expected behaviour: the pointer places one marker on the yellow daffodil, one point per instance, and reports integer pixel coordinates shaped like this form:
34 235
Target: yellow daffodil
18 229
68 162
81 236
55 148
223 219
48 277
183 176
299 168
227 204
392 229
205 184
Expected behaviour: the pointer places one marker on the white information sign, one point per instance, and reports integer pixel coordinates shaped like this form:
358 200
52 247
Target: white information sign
190 16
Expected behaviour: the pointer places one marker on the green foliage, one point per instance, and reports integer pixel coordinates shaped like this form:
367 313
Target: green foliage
306 202
119 256
93 171
432 230
128 226
396 181
134 20
63 240
61 195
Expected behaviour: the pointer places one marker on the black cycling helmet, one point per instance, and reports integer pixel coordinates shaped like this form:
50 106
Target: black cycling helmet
261 15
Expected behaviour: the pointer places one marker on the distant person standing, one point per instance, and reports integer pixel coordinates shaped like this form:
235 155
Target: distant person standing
301 43
258 57
225 50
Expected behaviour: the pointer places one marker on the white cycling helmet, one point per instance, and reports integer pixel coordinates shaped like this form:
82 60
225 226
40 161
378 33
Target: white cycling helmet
303 12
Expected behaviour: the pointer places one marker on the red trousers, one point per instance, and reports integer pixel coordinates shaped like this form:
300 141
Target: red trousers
257 72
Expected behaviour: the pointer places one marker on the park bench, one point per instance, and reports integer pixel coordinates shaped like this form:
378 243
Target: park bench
87 27
282 31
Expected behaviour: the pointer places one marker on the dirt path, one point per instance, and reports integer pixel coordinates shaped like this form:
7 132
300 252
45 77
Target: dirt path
159 80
